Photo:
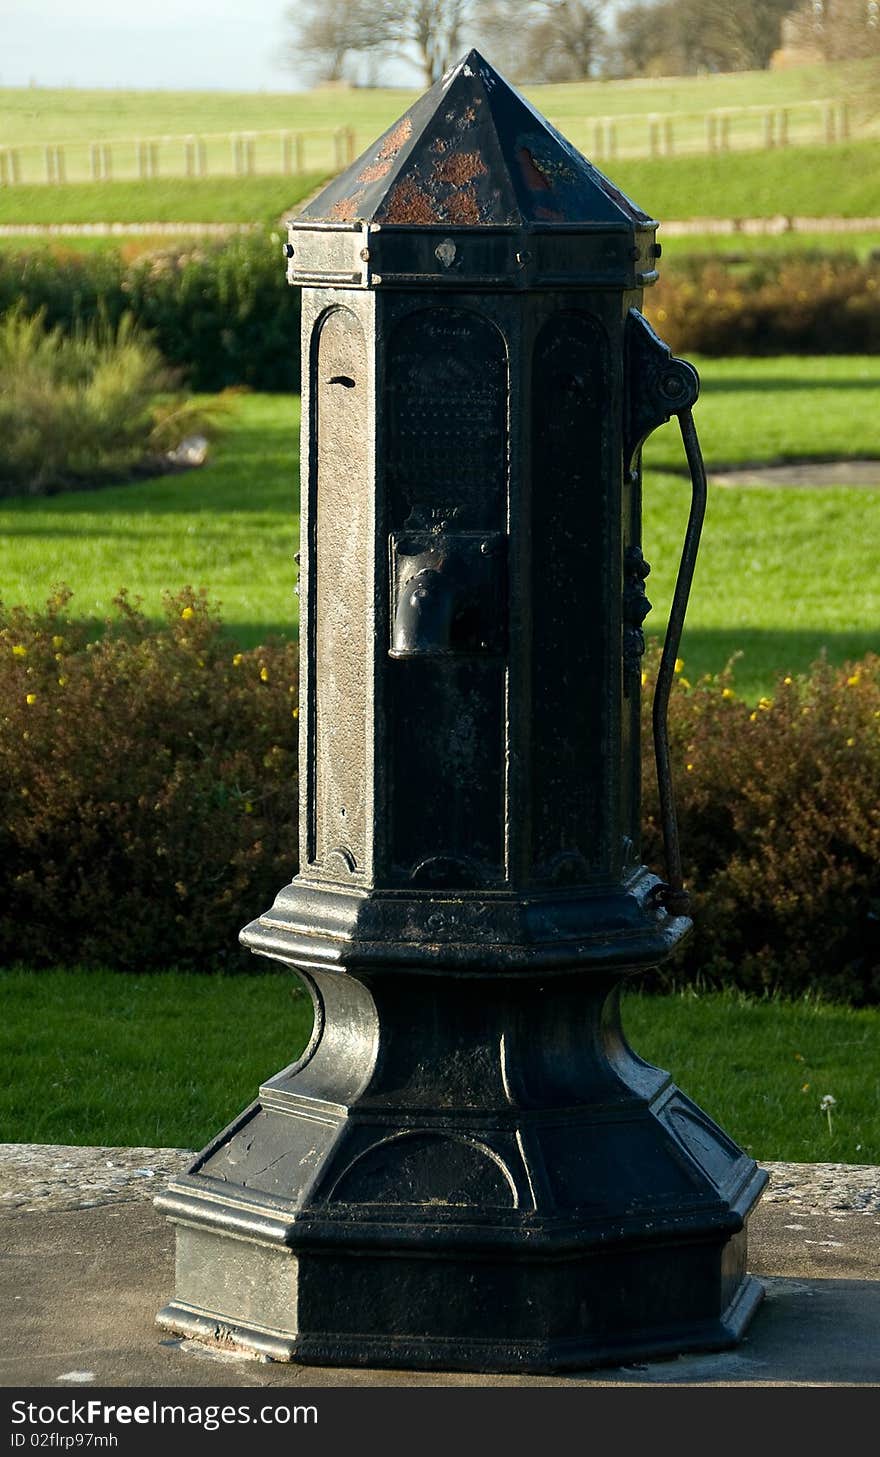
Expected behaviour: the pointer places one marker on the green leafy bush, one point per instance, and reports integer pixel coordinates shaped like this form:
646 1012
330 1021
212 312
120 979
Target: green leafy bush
76 408
779 814
223 313
147 783
148 805
808 304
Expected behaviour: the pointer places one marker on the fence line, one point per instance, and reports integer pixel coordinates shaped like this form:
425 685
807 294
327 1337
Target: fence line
289 152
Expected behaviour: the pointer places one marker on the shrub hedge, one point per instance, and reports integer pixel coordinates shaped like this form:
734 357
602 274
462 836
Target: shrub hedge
809 303
225 314
148 790
779 814
221 312
148 787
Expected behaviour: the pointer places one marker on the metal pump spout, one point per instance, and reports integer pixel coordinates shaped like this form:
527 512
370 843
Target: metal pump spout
425 613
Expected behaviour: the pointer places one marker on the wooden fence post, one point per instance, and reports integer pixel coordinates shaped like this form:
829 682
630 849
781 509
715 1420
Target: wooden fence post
769 129
782 128
843 116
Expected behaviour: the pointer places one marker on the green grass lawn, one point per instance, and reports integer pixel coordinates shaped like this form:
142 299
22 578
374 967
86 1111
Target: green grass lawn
783 574
104 1058
167 200
232 526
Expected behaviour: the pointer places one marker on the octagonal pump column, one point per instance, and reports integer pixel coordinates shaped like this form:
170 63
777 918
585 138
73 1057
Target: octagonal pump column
469 1167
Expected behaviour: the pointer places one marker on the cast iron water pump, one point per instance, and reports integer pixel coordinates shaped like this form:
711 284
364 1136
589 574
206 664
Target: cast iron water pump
469 1167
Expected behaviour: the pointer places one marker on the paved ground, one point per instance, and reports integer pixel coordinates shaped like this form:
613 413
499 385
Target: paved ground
807 475
80 1286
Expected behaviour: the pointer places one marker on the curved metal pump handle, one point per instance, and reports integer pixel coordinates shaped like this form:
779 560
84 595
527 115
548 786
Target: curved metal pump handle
673 896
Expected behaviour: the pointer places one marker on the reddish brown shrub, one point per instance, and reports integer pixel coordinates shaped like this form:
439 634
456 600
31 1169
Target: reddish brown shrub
822 305
779 811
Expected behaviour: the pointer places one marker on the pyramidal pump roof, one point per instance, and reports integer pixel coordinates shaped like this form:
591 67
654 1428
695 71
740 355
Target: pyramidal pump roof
472 151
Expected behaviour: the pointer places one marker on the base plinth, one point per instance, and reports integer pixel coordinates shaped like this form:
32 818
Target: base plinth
469 1173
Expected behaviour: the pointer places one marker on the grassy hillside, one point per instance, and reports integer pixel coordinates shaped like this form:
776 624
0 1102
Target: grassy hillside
820 181
172 200
38 115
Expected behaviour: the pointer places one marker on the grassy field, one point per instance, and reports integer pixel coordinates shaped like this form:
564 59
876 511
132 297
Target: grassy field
102 1058
818 181
41 115
609 121
783 574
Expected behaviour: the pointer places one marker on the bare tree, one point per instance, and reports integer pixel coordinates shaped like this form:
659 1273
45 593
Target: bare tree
543 40
430 32
326 34
684 36
329 34
840 30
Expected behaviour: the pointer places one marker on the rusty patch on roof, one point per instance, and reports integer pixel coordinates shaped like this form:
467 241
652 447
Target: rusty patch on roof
410 203
461 168
344 211
532 175
462 207
374 172
395 140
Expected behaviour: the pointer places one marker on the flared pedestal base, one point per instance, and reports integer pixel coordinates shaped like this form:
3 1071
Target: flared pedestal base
472 1173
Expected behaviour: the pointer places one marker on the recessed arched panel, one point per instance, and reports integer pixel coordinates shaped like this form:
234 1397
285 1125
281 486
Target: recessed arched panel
571 551
446 406
340 637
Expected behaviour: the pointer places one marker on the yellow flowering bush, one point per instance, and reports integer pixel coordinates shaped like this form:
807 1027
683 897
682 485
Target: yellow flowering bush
148 788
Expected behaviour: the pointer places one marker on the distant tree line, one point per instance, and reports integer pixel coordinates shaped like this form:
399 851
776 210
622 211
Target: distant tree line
571 40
